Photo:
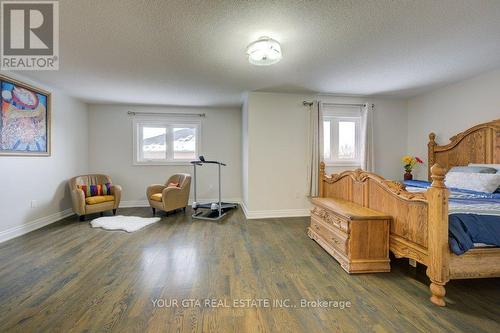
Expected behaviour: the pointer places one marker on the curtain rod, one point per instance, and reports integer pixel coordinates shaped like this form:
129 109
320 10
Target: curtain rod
306 103
132 113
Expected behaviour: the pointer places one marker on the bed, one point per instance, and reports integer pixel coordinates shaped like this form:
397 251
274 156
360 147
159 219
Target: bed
419 229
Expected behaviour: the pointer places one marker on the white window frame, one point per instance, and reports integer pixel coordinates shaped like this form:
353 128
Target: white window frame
334 118
139 124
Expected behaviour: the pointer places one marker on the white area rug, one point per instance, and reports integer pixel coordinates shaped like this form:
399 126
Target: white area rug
125 223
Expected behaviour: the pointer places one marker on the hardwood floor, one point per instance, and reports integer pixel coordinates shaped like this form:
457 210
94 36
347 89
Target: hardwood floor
68 277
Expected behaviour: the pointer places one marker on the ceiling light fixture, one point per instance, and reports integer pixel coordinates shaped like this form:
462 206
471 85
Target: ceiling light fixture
264 51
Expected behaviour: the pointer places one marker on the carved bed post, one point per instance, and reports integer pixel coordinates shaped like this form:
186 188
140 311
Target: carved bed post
430 154
321 177
438 270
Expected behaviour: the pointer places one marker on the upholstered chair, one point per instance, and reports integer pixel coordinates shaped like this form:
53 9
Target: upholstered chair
171 196
83 205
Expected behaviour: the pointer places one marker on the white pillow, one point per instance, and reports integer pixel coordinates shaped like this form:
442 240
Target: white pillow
494 166
479 182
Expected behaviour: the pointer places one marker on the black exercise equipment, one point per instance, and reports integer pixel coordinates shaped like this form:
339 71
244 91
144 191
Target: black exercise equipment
213 210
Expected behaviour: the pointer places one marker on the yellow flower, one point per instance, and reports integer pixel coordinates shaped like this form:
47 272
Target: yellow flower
407 159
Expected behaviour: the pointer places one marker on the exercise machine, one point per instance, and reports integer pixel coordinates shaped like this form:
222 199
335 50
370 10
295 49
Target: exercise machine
212 210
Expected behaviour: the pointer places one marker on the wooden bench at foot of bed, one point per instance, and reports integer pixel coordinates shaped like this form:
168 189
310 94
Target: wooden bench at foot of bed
356 236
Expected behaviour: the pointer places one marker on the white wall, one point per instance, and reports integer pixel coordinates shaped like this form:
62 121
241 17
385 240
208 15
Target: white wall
111 145
450 110
44 179
244 150
277 149
277 145
390 126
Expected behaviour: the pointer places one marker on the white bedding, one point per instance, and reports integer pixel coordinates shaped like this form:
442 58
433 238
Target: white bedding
482 245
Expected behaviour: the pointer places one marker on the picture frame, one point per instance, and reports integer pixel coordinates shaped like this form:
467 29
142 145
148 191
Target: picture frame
25 119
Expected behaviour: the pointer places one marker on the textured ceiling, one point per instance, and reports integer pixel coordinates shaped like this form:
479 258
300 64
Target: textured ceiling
193 52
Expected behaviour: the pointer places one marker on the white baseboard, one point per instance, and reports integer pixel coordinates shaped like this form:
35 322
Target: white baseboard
244 208
230 200
266 214
262 214
145 203
33 225
134 203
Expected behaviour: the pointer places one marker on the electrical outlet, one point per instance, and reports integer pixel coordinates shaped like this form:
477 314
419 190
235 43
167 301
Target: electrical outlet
34 203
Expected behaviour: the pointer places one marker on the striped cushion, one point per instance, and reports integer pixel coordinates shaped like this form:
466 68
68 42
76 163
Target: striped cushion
95 190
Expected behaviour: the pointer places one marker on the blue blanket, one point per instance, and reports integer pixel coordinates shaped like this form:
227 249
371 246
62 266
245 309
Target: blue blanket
474 217
467 229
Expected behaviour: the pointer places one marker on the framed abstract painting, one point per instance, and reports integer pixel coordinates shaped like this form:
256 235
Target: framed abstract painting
24 119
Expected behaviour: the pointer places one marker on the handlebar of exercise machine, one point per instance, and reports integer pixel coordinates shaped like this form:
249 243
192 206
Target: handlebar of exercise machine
202 161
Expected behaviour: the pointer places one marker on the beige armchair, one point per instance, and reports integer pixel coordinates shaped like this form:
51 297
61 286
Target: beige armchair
83 206
170 198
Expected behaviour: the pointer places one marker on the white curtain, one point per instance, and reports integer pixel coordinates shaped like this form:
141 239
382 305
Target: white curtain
367 155
315 147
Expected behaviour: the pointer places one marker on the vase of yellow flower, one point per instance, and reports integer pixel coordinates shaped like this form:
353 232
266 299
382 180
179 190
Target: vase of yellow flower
409 163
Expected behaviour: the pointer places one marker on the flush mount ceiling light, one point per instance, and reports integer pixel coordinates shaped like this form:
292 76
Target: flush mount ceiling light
264 51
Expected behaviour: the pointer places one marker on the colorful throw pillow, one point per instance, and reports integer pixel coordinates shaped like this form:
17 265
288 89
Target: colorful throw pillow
95 190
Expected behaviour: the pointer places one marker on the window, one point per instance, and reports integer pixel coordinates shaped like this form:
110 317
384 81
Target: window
342 139
166 141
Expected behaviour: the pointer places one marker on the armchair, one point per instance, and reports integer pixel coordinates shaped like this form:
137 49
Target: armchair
95 204
168 198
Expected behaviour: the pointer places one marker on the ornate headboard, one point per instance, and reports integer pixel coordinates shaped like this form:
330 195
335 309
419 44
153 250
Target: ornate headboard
478 144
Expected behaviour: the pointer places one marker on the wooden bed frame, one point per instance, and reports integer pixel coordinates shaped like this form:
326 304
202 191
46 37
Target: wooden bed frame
419 229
